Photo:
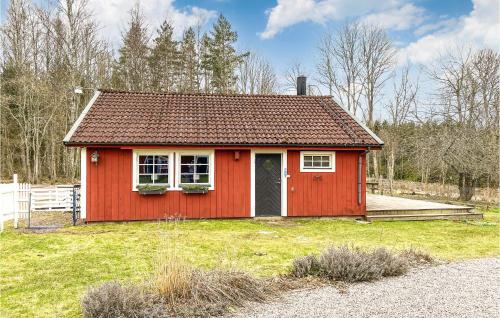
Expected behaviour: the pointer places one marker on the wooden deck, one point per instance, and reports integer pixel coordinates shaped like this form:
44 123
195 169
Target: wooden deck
387 208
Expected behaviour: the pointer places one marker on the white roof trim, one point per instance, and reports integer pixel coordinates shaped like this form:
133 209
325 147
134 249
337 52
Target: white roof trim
368 130
80 118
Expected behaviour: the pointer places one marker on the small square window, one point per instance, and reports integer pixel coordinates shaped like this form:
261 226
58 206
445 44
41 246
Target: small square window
317 162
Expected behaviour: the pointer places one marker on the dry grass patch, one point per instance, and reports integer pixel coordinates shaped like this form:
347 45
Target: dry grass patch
194 293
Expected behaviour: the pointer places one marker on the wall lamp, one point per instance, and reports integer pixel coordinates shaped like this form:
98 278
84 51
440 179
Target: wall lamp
94 157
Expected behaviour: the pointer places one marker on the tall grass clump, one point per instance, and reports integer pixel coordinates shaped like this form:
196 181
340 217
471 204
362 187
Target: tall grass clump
194 292
352 264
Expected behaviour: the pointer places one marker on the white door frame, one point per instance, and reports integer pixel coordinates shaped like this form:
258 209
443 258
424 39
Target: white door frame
284 178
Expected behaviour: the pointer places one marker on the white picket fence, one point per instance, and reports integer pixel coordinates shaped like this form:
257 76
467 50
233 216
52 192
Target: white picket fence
56 198
17 200
14 201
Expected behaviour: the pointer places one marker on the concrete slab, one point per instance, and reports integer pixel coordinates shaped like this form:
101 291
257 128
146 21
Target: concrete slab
375 202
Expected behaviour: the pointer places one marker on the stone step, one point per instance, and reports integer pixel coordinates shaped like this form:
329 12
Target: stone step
425 217
422 211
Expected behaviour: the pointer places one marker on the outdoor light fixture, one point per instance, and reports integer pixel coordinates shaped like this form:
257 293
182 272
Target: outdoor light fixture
94 157
237 155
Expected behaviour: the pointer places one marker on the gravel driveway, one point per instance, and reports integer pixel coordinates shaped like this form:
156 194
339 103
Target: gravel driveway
466 289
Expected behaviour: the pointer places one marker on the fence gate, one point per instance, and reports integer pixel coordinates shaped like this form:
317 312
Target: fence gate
39 207
53 206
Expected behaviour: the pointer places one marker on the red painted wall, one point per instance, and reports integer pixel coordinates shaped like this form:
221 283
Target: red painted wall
326 193
110 196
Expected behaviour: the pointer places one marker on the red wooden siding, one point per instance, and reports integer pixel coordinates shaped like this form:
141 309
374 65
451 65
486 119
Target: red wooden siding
326 193
110 196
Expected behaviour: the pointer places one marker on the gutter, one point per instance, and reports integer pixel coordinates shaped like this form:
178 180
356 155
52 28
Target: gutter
360 174
131 144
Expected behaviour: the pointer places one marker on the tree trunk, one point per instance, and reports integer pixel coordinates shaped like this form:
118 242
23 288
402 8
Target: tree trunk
466 186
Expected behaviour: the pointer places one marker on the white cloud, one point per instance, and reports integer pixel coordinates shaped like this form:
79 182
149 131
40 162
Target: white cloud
290 12
401 18
113 15
443 23
481 28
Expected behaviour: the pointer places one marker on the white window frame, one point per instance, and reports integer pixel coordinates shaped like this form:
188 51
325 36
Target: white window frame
146 152
317 153
211 166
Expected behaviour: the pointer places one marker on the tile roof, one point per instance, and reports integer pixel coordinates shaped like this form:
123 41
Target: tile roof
199 119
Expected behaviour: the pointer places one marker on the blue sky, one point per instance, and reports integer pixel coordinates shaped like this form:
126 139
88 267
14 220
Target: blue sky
286 31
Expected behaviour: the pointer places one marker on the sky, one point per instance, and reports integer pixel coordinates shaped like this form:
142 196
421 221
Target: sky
288 31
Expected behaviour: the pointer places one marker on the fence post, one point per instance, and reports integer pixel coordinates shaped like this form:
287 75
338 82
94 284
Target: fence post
16 201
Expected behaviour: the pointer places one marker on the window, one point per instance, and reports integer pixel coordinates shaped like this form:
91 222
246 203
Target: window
317 161
195 169
152 167
172 168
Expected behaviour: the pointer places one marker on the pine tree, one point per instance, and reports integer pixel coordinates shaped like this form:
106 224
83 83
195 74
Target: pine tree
165 61
205 69
189 63
130 71
221 57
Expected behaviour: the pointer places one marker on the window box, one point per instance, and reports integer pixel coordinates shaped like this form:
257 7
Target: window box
194 188
149 189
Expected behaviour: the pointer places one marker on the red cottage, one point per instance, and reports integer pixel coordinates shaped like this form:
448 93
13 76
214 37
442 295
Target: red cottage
149 156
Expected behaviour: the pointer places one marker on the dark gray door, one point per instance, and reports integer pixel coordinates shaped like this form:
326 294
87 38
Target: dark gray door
267 184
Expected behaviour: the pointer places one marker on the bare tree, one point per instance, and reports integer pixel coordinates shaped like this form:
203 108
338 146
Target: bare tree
340 64
469 111
377 55
404 99
377 61
256 76
46 53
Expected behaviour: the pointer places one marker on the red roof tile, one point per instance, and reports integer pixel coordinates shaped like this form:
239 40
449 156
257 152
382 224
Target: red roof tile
200 119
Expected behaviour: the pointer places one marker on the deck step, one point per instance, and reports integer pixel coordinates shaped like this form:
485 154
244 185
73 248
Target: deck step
424 217
420 211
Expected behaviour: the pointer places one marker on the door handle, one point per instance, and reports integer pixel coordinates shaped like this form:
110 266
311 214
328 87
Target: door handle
278 182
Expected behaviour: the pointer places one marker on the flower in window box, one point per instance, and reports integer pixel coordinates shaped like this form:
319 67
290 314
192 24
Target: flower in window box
151 189
195 188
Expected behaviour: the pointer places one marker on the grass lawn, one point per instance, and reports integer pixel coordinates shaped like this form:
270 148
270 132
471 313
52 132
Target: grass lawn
45 275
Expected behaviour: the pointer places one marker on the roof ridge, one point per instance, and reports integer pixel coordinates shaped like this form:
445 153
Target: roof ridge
109 90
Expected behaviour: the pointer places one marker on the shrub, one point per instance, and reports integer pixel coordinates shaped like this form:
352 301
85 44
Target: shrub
114 300
349 265
306 266
352 264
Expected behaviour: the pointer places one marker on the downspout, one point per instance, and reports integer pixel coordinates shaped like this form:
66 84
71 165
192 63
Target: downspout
360 173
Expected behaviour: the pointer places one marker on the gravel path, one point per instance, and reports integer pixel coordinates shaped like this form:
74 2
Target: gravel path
466 289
